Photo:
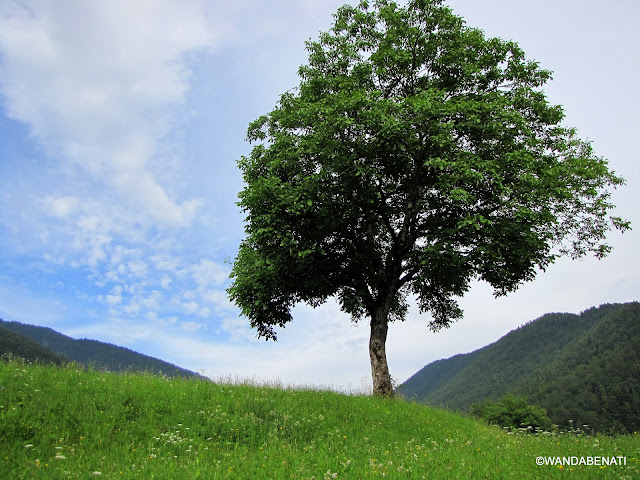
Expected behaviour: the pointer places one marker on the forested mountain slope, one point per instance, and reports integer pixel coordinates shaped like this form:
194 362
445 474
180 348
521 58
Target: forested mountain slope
584 368
92 352
596 381
14 344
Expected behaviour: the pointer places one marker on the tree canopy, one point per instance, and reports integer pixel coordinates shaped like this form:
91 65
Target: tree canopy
414 157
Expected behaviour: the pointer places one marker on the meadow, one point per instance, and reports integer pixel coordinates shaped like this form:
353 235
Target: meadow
67 422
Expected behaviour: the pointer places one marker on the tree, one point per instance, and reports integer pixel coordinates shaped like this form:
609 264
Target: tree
415 156
513 412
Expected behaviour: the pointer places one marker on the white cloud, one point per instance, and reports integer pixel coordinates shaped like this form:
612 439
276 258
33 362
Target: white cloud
60 206
219 299
98 84
165 282
153 300
238 329
188 294
208 274
165 262
120 253
115 297
137 268
191 326
190 308
112 276
132 308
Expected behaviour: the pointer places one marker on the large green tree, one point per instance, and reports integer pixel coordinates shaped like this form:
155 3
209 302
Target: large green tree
415 156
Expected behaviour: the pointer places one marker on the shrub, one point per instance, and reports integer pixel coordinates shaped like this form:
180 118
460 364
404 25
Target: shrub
513 412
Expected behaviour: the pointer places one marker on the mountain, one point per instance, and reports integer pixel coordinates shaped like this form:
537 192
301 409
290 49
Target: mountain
20 346
597 379
93 353
583 369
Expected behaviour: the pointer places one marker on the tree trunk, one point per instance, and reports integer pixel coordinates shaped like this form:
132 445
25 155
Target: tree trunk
382 386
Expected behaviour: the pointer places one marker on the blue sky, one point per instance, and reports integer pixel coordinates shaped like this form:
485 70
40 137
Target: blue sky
120 126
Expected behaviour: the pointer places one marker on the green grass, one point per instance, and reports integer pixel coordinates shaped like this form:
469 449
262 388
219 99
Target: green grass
59 423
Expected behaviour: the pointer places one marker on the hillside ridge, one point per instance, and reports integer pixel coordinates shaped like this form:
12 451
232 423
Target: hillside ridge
538 360
94 353
16 345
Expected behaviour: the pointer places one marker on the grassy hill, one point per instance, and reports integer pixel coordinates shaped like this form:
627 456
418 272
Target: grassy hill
92 352
60 423
541 359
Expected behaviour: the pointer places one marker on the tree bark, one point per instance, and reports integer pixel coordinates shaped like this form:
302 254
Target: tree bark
382 386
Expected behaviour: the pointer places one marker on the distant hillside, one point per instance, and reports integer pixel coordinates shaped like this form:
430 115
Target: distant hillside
596 381
584 368
12 343
93 353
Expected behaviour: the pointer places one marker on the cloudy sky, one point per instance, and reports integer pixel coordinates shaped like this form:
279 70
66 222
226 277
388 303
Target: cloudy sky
120 125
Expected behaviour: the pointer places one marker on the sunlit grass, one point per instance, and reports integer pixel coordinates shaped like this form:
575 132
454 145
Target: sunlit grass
70 423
